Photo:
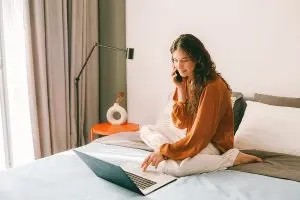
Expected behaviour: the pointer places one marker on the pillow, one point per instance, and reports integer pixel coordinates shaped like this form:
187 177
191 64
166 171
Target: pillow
277 101
164 121
239 106
236 95
269 128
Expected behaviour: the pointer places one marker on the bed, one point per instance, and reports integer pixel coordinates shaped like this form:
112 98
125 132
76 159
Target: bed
64 176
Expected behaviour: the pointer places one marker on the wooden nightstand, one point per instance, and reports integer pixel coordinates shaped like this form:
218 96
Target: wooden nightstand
108 129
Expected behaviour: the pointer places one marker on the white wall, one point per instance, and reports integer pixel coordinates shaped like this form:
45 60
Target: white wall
255 45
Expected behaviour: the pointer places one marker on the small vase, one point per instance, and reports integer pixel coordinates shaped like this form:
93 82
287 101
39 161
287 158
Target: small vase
116 109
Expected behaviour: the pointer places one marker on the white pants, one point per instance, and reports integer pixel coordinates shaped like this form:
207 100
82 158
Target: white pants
209 159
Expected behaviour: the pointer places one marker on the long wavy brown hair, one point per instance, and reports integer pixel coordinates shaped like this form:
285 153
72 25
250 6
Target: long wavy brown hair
204 71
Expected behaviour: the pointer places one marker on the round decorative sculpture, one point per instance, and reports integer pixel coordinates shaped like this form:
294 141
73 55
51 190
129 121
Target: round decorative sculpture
116 114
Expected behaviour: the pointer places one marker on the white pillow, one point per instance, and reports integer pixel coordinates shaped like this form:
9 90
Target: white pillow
269 128
164 121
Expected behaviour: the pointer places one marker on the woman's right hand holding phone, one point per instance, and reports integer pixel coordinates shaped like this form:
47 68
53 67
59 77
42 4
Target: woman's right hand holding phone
181 86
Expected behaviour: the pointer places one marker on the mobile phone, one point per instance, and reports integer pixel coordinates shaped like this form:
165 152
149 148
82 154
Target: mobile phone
178 77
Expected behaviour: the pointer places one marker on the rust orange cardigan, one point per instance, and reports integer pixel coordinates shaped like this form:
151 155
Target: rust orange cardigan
213 123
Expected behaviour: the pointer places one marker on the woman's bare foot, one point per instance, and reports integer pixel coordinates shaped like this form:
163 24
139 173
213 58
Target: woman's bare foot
243 158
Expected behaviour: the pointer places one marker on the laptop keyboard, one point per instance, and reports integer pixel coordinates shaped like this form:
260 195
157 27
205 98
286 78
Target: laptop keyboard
141 182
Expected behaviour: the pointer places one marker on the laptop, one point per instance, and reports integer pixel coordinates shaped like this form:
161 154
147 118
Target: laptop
128 175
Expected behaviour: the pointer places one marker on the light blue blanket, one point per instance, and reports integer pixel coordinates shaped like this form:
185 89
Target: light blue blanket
65 177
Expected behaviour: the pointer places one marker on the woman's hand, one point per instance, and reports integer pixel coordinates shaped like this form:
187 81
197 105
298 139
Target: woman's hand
181 86
154 159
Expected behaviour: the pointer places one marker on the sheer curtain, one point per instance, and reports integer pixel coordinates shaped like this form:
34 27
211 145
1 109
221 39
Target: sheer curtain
14 21
4 151
3 133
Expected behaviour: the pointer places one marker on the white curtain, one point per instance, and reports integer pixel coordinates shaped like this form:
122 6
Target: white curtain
15 24
3 133
3 154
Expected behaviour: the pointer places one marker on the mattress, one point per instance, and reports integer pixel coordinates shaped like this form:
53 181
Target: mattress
64 176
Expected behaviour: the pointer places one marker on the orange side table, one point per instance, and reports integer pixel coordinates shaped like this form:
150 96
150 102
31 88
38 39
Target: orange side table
108 129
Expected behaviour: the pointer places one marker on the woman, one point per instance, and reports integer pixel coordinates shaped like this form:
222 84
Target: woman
202 105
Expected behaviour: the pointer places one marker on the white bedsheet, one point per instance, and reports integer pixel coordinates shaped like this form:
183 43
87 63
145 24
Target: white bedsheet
64 176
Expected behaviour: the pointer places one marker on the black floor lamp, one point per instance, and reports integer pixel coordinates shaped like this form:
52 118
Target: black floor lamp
129 55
